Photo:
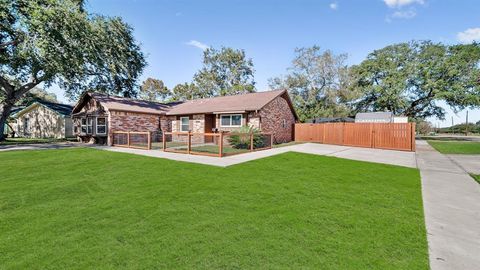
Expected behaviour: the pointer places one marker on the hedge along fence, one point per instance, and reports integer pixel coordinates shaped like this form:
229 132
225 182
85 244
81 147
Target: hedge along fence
206 144
394 136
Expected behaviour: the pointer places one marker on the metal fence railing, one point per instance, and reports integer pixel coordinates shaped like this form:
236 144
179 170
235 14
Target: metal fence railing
132 139
206 144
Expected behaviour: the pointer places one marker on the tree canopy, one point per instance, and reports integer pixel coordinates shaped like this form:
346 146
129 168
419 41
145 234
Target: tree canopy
317 82
225 72
412 78
58 42
154 90
187 91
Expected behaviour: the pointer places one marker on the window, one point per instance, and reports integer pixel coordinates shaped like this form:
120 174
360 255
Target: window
101 125
25 126
284 123
84 125
231 120
184 124
89 125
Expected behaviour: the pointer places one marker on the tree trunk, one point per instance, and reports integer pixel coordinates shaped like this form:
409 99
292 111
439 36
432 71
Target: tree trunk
6 108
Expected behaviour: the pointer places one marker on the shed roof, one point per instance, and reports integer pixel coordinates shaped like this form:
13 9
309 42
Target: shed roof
331 120
373 115
234 103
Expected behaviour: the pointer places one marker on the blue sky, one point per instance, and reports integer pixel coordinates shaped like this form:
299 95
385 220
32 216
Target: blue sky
173 33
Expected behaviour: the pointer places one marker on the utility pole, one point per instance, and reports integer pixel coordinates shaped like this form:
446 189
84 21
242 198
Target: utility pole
451 128
466 126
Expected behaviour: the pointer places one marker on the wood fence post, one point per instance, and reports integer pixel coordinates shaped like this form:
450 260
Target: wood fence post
164 142
251 141
271 140
412 136
220 148
149 140
372 136
128 138
189 146
324 131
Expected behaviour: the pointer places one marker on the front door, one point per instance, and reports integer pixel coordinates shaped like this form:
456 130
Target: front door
209 125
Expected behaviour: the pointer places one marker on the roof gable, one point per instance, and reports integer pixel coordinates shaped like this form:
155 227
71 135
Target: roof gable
114 103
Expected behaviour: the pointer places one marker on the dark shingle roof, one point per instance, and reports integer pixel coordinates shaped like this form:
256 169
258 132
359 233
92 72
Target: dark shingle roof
62 109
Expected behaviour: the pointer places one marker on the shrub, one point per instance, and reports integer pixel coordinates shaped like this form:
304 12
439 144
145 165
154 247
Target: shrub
241 139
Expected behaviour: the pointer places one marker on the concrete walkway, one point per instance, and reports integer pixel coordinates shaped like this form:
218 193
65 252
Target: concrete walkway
451 200
401 158
470 163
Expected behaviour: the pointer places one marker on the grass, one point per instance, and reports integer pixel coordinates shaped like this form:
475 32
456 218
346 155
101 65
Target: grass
18 141
85 208
476 177
456 147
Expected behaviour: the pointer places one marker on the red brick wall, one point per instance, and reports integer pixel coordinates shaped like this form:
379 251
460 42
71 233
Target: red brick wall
130 121
278 119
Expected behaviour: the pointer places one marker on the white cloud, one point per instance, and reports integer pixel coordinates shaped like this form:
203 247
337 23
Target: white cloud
198 44
404 14
401 3
333 6
470 35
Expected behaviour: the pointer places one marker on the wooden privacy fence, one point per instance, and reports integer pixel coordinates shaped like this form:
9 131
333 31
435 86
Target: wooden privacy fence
394 136
207 144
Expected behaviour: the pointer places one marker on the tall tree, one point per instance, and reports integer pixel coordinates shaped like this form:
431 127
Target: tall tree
411 78
58 42
318 83
225 72
187 91
154 90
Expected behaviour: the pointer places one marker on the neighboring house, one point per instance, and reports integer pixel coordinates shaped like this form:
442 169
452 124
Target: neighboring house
270 112
379 117
331 120
43 119
96 115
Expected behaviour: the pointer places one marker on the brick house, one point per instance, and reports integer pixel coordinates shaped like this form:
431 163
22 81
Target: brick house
96 115
269 111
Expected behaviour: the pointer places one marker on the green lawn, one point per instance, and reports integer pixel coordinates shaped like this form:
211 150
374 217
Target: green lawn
476 177
456 147
85 208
